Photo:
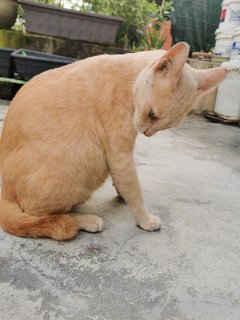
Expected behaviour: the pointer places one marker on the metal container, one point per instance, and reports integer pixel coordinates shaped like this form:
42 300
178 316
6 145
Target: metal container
69 24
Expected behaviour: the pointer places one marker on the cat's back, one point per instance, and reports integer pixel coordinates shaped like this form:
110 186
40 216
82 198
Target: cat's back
64 92
83 78
62 99
94 70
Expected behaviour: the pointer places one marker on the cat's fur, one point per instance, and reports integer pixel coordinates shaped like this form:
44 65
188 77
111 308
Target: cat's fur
69 128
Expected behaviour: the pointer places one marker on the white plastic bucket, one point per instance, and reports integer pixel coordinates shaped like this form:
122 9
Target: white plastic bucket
230 15
223 44
228 96
235 54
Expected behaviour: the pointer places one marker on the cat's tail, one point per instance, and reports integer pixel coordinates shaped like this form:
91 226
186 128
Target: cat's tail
57 226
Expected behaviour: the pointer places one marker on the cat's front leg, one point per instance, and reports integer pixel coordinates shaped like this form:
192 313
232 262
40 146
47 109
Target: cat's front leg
119 196
124 176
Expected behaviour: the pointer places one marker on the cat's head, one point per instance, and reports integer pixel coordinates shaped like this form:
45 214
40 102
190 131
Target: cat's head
165 90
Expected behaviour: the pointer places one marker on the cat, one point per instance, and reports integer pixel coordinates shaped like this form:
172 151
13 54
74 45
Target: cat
69 128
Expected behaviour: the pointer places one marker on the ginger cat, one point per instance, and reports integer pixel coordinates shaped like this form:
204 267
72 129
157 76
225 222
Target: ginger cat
69 128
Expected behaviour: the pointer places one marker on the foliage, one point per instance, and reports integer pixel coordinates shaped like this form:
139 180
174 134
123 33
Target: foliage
51 2
136 14
151 40
166 9
73 4
19 24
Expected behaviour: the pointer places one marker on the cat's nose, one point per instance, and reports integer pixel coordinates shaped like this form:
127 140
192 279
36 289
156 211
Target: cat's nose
148 133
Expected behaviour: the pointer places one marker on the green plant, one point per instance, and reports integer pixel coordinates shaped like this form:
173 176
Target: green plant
166 9
19 24
59 3
136 14
73 4
23 53
152 40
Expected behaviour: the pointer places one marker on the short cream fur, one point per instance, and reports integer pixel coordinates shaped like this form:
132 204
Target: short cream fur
69 128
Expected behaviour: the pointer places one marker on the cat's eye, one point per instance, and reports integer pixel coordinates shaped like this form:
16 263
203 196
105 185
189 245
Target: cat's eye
152 116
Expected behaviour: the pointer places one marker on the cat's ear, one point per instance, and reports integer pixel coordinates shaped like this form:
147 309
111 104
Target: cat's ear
210 78
173 61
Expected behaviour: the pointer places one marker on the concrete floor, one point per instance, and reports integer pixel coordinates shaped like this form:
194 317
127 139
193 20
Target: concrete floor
190 270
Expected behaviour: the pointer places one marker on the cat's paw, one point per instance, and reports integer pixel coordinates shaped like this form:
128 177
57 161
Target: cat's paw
150 223
90 223
95 224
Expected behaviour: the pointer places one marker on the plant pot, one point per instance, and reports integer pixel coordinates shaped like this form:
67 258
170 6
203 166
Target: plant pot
165 31
6 62
8 13
69 24
29 63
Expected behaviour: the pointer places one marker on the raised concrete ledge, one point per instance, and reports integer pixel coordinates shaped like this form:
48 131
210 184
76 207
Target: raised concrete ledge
71 48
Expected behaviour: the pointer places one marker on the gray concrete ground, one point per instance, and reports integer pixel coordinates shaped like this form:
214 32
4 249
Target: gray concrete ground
190 270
